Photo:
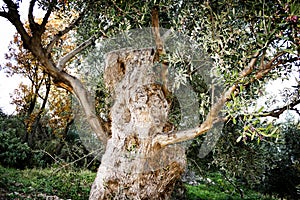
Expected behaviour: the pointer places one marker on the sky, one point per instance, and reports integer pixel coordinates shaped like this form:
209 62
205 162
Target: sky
8 85
273 89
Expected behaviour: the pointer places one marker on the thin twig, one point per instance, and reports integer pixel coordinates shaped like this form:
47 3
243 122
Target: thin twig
43 151
73 162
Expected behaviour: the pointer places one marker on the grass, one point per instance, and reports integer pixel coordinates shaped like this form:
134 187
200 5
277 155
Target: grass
43 184
220 189
76 184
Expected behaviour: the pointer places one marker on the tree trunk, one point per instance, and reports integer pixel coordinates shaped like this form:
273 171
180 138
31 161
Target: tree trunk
132 166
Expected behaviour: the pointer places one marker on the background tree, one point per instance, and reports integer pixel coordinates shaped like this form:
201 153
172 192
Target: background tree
282 175
45 109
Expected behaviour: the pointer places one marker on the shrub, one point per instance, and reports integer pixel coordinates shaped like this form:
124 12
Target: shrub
13 152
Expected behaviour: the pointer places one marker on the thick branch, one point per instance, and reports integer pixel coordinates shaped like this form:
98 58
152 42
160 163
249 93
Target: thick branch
60 78
167 139
155 27
160 51
13 16
4 14
62 62
250 67
180 136
30 13
88 107
11 4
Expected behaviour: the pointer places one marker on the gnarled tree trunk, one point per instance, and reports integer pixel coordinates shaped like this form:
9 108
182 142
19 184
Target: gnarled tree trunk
133 167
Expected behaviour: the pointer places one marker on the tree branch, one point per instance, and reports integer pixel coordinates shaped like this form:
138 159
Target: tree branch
212 117
13 16
4 14
62 62
48 13
160 51
30 13
269 66
296 110
11 4
60 78
155 28
278 111
250 67
63 32
180 136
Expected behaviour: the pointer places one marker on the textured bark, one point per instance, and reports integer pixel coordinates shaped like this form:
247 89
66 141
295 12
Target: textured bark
132 166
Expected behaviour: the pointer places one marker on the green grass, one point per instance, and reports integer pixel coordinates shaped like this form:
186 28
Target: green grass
40 184
220 189
76 184
210 192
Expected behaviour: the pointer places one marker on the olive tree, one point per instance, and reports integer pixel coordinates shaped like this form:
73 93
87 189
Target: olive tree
249 43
